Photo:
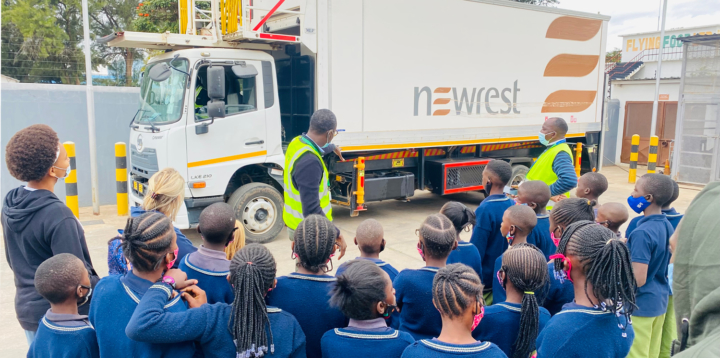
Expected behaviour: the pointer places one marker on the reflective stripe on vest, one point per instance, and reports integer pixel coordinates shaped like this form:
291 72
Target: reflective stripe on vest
292 210
542 169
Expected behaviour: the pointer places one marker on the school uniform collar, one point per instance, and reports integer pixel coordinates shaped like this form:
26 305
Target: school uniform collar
376 261
372 333
574 307
497 197
656 217
429 268
671 213
215 267
515 307
320 278
543 216
367 323
437 345
465 243
136 284
64 317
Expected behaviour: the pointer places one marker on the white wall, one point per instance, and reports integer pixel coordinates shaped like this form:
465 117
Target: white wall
671 68
643 90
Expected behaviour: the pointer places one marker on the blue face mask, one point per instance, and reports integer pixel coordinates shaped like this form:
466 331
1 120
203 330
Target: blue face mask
543 141
638 204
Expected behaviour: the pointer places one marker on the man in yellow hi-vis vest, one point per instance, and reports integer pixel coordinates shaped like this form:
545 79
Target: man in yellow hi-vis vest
555 164
305 175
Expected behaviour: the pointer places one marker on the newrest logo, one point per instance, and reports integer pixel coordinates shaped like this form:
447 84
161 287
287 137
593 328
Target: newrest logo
488 100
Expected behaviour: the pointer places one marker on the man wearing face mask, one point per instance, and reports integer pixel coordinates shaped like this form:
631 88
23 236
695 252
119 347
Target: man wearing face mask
36 224
306 177
554 166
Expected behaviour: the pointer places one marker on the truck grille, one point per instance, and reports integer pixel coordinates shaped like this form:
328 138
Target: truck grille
143 164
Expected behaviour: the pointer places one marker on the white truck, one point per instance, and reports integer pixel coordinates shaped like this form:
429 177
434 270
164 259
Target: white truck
425 93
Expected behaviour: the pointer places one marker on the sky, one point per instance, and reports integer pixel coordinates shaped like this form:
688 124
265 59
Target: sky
633 16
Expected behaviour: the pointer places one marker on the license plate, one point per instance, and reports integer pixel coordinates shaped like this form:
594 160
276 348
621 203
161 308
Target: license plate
398 163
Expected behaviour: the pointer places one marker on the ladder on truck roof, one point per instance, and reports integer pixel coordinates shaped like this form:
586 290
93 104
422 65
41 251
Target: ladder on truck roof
246 24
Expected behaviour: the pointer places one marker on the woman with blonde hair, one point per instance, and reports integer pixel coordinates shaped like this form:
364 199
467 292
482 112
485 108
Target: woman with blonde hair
238 240
165 194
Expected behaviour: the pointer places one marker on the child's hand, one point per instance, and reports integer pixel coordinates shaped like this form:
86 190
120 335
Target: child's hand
194 296
558 198
342 245
180 277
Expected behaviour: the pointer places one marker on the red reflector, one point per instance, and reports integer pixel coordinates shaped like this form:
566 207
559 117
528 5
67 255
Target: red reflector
362 182
278 37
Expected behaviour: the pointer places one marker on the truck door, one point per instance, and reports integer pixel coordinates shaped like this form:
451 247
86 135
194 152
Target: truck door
230 142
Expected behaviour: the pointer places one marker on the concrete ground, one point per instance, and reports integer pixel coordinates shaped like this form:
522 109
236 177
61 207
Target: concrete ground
399 219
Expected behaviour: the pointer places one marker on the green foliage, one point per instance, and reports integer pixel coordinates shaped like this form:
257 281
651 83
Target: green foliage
613 56
107 17
157 16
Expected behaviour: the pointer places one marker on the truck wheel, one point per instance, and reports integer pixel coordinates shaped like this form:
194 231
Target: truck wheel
259 207
518 174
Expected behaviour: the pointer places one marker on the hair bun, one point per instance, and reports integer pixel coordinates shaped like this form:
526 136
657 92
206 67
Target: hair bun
343 282
592 202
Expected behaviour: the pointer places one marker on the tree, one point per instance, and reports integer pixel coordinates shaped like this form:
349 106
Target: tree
107 17
157 16
613 56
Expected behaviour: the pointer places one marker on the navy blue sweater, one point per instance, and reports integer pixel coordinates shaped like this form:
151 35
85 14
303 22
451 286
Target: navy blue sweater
214 283
501 325
558 293
579 331
413 291
208 325
466 253
306 297
185 246
670 214
432 348
68 336
391 271
540 236
486 235
115 299
352 342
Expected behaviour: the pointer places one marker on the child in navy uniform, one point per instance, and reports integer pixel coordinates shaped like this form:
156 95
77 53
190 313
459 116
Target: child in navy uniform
518 222
62 332
612 216
564 213
590 186
649 246
466 253
536 194
364 293
150 246
597 323
305 293
515 324
457 295
486 233
414 287
208 264
369 237
670 213
245 328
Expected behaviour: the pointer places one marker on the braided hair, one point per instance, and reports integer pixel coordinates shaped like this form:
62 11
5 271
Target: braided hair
461 217
314 243
606 265
360 287
456 288
525 266
570 210
252 274
438 235
146 240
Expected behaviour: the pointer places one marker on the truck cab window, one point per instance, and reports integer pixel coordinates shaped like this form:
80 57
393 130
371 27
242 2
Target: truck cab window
240 94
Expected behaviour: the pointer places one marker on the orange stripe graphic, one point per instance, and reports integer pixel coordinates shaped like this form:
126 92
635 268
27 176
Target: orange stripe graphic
226 159
573 28
567 65
441 112
566 101
442 101
442 90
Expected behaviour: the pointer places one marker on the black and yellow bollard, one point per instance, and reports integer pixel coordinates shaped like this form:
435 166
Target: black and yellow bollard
121 178
635 145
71 189
652 155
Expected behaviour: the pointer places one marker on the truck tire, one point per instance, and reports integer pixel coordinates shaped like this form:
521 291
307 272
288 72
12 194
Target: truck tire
259 208
519 172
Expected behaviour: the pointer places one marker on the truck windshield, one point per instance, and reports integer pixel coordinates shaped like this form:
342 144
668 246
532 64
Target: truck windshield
162 102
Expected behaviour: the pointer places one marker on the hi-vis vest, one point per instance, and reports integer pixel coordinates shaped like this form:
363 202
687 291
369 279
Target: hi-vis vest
542 169
292 211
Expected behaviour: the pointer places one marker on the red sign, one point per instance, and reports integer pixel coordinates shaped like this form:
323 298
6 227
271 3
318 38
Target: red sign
664 97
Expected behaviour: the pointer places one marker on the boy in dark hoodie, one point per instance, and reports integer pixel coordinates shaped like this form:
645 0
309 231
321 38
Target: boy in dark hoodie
36 224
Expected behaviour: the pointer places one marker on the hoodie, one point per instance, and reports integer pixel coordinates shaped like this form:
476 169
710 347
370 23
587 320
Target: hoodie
696 281
36 226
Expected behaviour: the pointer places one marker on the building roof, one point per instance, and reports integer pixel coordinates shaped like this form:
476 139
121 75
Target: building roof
668 30
700 38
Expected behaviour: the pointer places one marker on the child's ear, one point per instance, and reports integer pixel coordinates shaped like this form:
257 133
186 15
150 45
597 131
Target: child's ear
355 241
198 230
532 205
455 245
587 191
380 307
274 283
650 198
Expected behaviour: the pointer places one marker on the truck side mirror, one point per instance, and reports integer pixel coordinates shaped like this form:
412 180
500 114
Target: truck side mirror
216 109
244 71
216 82
160 72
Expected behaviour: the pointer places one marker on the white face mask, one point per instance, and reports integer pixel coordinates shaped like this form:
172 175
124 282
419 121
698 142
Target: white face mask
67 172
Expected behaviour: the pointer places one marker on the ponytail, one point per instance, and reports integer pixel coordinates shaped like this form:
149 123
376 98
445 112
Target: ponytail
570 210
525 266
461 217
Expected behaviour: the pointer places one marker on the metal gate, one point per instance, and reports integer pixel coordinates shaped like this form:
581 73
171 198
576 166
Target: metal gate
698 125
